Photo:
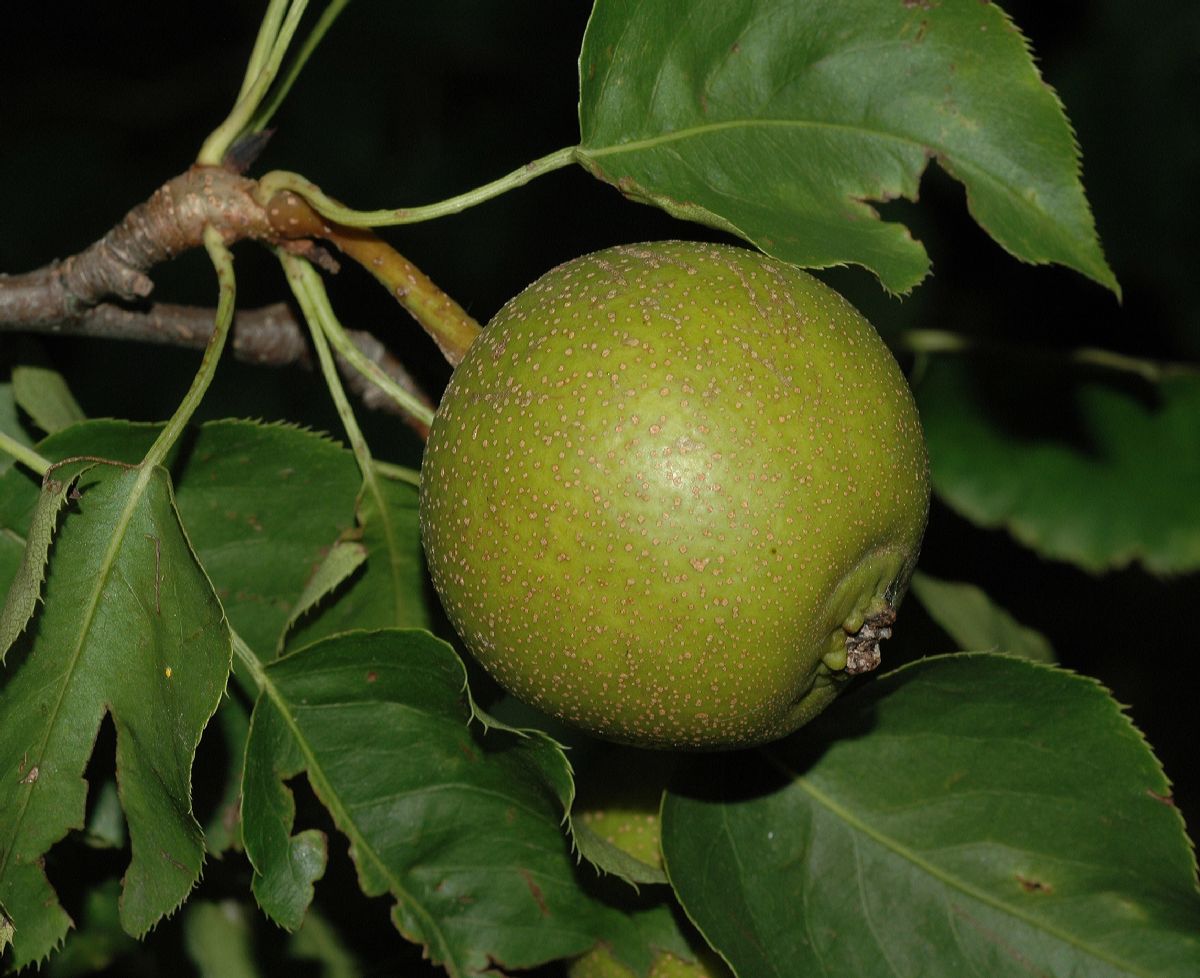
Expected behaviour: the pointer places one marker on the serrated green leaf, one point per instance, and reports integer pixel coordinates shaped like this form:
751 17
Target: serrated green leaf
389 591
99 940
976 622
609 858
462 828
285 865
971 814
12 551
218 939
43 394
780 121
638 946
26 585
615 815
131 628
262 504
1066 461
117 441
342 561
18 494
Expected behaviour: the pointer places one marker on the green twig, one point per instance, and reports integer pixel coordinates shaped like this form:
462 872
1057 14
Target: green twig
269 107
279 180
24 454
212 153
268 31
222 261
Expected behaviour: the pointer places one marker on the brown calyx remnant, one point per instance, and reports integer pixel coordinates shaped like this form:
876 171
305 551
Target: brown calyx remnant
862 648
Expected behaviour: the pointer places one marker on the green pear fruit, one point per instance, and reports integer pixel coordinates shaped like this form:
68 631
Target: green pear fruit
618 796
635 832
673 494
600 963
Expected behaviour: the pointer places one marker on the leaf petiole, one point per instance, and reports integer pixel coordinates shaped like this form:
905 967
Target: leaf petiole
314 303
268 34
310 293
246 657
398 472
24 454
222 261
278 180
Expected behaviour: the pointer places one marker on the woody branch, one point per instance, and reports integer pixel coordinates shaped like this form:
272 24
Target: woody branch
73 296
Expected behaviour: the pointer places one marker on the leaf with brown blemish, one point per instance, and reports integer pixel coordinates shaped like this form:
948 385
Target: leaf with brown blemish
1003 813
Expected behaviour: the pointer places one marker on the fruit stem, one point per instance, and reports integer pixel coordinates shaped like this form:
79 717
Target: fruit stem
452 328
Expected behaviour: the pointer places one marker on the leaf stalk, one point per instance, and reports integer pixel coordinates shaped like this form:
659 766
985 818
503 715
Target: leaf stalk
222 260
280 180
24 454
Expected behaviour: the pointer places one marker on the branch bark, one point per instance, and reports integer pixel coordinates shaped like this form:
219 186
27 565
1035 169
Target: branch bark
266 337
70 297
171 221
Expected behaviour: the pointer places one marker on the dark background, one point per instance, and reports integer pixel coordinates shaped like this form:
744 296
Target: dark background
409 103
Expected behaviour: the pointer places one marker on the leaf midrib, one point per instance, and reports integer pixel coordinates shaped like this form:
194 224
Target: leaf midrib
332 801
389 535
953 882
696 132
107 564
